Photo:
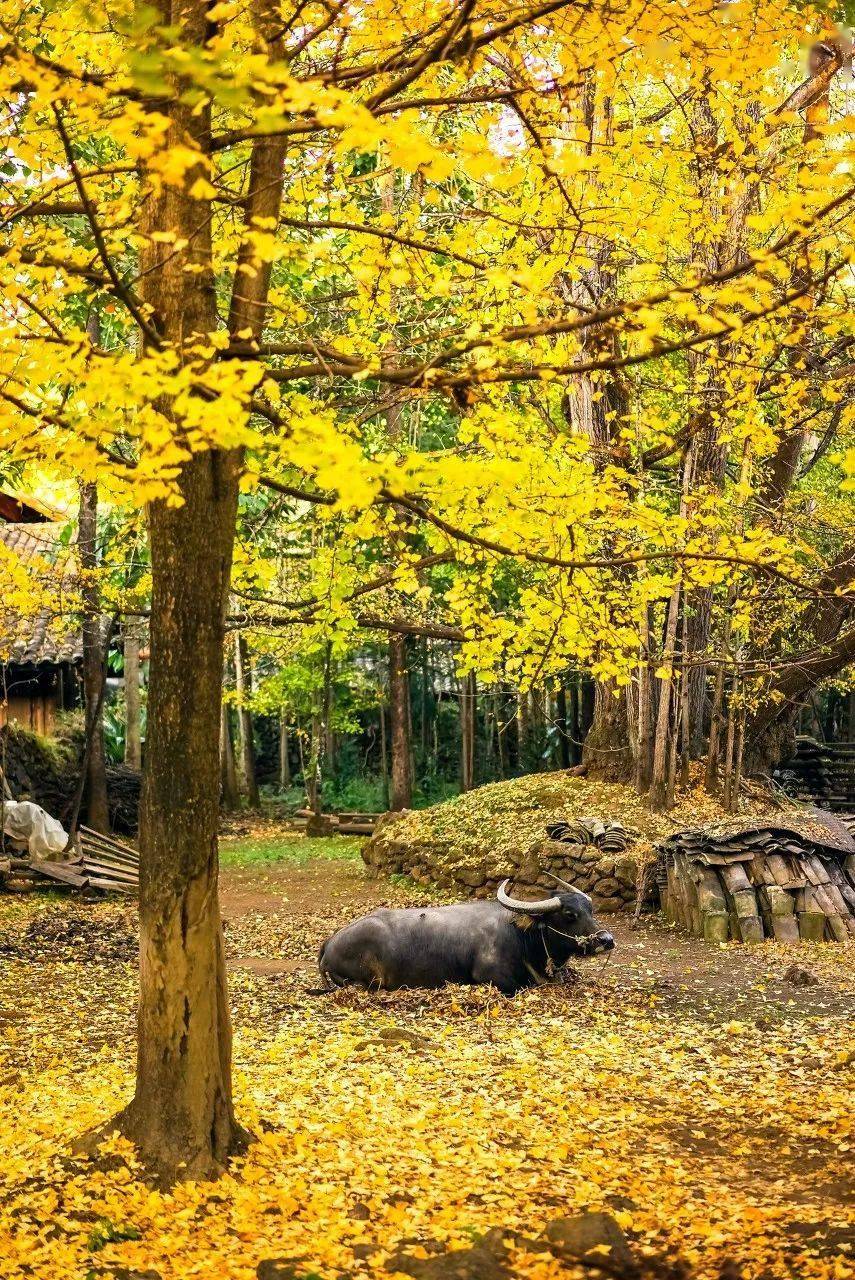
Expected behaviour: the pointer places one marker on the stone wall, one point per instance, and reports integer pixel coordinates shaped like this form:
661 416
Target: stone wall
610 879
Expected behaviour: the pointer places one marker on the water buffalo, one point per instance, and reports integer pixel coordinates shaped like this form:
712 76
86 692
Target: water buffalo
509 942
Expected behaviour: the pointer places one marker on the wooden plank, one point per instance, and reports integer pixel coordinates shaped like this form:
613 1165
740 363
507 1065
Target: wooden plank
114 886
126 877
98 855
64 872
114 847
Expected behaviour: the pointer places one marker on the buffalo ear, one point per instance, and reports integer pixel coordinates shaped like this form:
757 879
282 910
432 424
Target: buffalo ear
523 921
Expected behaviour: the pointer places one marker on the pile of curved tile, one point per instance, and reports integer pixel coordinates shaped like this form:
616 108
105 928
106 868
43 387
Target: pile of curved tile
611 837
787 876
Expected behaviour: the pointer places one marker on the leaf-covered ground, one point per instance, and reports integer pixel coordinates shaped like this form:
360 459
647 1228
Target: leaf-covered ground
697 1094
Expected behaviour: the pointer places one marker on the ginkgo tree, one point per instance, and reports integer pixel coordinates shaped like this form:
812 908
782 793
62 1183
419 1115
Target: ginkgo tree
209 180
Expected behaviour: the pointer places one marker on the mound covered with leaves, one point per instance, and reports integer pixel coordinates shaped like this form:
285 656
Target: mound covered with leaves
476 839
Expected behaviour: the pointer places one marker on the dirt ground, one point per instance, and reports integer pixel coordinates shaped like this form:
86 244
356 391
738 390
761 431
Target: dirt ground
702 1094
277 916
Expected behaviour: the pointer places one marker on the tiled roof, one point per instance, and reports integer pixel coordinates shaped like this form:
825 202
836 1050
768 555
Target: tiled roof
39 638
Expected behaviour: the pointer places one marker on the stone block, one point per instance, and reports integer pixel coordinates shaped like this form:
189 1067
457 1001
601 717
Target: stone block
781 903
811 926
745 903
716 925
751 929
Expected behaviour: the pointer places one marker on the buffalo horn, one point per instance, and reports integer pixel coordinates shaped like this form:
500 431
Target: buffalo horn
529 908
564 884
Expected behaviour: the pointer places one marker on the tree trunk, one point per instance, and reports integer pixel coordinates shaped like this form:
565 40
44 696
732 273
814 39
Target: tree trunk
561 726
97 807
401 796
574 725
245 725
468 697
384 755
284 764
607 750
133 742
181 1116
501 741
229 789
523 733
660 794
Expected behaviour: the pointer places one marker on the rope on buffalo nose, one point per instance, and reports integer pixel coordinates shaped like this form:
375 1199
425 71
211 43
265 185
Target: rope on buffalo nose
552 968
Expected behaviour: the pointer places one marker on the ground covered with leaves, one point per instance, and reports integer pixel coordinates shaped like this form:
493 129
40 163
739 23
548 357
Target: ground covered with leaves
699 1096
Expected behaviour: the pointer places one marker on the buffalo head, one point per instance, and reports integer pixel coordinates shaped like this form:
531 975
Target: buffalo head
566 915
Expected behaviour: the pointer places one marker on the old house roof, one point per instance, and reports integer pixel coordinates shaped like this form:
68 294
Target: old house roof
39 637
22 508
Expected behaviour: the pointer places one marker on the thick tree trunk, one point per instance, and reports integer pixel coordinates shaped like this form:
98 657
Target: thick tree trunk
181 1115
607 750
401 792
245 725
133 741
97 807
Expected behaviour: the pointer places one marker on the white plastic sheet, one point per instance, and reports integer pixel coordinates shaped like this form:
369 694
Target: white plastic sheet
28 824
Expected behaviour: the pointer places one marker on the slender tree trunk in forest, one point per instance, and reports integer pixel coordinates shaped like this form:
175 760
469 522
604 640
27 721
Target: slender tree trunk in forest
523 732
284 764
644 700
574 727
228 769
661 792
97 807
561 726
133 743
401 793
245 725
384 754
468 699
423 703
501 740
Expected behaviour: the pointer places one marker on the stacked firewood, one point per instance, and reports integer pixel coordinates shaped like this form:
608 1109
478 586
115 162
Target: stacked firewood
787 878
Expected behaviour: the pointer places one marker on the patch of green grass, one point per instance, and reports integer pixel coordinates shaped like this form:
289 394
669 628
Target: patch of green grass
291 847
